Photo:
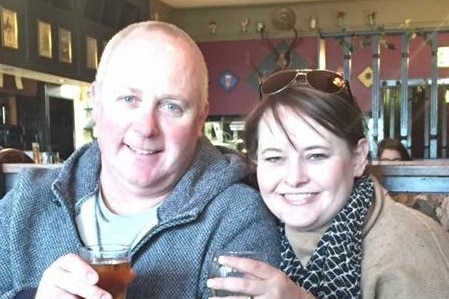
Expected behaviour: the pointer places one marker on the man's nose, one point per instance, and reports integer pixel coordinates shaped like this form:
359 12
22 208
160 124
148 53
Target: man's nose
147 122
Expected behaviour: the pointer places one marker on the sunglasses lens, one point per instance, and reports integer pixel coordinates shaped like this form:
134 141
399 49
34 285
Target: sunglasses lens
326 81
278 81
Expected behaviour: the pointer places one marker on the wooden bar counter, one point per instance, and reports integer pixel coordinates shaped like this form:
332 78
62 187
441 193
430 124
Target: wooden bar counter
419 176
10 171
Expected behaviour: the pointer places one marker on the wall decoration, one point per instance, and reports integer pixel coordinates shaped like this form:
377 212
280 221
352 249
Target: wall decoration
44 40
313 22
91 53
228 80
341 20
284 19
244 24
9 29
212 27
65 45
283 57
270 64
366 77
260 26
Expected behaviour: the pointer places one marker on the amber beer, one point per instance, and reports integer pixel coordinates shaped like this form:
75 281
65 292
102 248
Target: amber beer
114 277
113 265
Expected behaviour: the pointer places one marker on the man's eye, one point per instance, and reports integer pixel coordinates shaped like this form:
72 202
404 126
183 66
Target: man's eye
128 99
172 108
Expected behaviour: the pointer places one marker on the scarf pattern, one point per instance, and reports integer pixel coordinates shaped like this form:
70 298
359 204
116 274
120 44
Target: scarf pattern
334 269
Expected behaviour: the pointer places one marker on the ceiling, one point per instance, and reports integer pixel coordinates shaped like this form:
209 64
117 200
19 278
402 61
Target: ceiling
215 3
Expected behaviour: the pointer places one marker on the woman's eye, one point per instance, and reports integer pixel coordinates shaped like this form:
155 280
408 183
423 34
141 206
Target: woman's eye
317 157
272 159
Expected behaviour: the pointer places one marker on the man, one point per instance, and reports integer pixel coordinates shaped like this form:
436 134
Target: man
151 181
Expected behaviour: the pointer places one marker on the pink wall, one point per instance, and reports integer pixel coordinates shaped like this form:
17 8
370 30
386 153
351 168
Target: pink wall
233 56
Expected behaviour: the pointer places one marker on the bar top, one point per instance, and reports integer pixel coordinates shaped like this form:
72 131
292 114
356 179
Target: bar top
17 167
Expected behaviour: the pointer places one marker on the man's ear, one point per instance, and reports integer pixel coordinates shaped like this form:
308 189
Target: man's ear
360 157
202 117
93 94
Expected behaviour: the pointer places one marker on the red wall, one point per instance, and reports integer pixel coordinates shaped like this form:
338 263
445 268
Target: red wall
233 56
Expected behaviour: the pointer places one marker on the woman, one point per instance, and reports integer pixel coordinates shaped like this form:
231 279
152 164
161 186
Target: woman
392 150
342 235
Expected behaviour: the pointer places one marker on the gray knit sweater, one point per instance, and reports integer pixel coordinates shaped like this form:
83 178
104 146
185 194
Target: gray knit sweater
208 209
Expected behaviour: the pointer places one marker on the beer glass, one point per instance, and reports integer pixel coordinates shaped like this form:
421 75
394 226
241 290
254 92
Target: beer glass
113 265
217 270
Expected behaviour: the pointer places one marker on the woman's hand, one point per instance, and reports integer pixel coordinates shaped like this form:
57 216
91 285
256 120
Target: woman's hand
70 277
261 281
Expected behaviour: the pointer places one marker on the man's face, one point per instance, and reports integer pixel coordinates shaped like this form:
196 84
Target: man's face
148 112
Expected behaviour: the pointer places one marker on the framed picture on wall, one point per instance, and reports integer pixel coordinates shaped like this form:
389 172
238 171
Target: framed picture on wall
91 53
44 41
9 29
65 45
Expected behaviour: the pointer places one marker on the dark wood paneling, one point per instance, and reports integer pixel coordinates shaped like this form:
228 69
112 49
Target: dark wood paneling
98 19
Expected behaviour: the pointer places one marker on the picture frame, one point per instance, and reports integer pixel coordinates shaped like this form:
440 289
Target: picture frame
9 29
91 52
44 39
65 45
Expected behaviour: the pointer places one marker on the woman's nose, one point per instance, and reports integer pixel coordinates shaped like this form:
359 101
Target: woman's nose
296 174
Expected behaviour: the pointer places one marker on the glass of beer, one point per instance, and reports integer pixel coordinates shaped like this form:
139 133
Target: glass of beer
218 270
113 265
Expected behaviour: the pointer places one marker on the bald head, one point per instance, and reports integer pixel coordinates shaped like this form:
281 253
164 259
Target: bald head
145 30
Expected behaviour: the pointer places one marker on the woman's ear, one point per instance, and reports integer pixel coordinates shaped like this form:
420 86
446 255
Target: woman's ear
360 157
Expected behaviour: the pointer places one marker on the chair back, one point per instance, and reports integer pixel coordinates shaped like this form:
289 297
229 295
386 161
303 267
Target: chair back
13 155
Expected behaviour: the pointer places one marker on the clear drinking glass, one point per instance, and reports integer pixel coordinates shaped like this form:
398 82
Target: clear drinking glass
217 270
113 265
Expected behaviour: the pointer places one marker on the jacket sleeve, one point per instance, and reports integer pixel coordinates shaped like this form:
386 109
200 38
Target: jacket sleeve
26 294
244 224
406 256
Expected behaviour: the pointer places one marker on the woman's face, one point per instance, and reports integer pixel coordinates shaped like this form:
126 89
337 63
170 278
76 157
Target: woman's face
305 186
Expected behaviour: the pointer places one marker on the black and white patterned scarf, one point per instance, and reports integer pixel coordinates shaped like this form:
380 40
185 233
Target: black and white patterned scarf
334 269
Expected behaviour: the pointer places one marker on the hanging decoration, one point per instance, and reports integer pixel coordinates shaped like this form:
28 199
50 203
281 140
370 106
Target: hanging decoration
383 40
342 41
341 20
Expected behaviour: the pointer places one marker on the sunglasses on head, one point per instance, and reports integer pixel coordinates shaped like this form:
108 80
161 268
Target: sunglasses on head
322 80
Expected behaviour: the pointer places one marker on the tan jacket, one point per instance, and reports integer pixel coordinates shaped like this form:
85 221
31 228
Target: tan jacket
405 253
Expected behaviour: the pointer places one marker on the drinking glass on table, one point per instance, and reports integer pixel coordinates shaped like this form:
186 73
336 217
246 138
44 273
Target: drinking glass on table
218 270
113 265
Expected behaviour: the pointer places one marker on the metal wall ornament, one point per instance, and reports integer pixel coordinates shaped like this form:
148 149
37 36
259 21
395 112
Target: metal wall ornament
10 31
213 27
244 24
284 19
260 26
